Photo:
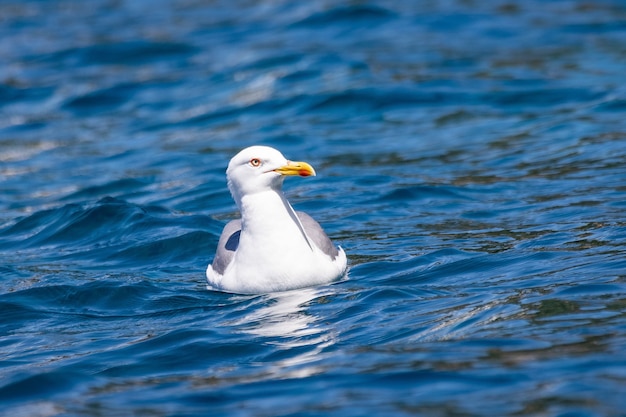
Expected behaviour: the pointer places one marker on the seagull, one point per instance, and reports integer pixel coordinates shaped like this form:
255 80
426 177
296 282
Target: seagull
272 247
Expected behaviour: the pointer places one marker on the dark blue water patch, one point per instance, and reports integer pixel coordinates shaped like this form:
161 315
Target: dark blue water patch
421 193
616 25
113 233
120 187
178 351
299 76
12 94
368 100
102 100
112 98
205 198
507 269
449 22
14 313
273 107
10 271
42 385
131 53
21 128
401 379
392 294
602 290
356 15
545 97
612 105
96 299
107 99
271 62
162 252
415 270
174 301
16 235
104 219
400 390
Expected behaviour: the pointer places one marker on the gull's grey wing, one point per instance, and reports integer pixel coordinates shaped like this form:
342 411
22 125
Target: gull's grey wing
227 245
315 232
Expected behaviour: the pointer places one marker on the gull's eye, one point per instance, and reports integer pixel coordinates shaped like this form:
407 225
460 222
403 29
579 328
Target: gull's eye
255 162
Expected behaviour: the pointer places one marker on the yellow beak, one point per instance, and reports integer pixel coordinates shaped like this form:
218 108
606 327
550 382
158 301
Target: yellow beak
296 168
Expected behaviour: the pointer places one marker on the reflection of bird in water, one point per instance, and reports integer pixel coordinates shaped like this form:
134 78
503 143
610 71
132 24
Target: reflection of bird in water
272 247
287 324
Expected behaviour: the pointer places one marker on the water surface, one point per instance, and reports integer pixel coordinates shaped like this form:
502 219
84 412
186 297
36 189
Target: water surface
470 160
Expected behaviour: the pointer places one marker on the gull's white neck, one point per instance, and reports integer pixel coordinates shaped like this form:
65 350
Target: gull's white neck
268 216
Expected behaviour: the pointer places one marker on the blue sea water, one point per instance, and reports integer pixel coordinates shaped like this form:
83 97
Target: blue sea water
471 161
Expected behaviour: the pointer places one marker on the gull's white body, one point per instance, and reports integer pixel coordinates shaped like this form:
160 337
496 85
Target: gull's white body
277 248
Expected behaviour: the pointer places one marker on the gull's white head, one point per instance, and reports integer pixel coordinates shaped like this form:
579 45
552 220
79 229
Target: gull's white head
261 168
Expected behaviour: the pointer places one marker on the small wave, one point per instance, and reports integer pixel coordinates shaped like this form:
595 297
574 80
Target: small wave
113 234
132 52
10 94
371 99
420 192
357 14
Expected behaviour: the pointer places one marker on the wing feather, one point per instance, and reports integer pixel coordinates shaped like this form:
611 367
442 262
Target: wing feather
227 245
